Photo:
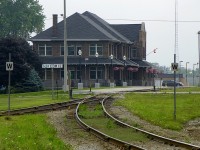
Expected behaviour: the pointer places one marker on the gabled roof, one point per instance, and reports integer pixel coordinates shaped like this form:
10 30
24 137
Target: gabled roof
87 27
106 26
131 31
79 27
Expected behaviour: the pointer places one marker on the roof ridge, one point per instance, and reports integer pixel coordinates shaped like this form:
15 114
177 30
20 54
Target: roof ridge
98 27
107 25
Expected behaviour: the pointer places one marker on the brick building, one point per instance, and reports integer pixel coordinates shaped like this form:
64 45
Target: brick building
121 50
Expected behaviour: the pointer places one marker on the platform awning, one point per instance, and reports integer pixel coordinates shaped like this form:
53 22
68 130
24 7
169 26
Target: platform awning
142 63
86 61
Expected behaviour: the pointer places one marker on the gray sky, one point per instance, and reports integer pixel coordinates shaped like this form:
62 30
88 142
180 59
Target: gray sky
160 34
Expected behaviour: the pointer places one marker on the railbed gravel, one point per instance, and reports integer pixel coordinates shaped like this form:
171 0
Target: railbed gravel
189 134
71 133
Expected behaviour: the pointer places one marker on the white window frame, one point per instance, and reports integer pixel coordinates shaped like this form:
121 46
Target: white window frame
45 50
96 46
76 48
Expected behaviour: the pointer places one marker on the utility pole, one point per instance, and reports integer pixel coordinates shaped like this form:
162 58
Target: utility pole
199 56
175 49
65 50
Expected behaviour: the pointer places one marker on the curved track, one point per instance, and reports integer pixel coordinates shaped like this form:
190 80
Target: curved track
78 102
151 135
119 143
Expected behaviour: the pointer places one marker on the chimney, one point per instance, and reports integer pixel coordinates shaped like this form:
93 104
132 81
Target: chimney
55 21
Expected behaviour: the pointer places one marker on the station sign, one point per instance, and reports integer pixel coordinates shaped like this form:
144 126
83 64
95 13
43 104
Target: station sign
52 65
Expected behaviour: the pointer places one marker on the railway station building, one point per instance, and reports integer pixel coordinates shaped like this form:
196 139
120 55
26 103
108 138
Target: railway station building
98 52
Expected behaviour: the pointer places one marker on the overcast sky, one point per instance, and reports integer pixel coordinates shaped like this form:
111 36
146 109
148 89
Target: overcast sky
158 15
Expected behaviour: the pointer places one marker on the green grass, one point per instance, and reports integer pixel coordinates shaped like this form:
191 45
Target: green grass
22 100
182 89
95 118
29 132
159 108
108 127
85 112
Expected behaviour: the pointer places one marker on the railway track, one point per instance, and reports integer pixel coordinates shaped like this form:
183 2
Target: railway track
151 136
76 103
119 143
45 108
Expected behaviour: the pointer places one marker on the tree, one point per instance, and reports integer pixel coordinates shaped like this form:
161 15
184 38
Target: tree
33 83
35 80
20 18
23 57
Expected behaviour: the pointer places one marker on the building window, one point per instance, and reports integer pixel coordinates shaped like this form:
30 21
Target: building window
71 50
41 50
61 50
133 53
72 73
96 48
100 50
78 47
45 50
92 49
48 50
78 73
48 74
62 74
99 72
92 72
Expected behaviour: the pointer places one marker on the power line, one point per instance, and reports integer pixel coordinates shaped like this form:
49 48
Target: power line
147 20
158 20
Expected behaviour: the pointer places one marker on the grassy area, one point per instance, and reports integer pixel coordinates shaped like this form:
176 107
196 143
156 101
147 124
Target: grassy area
21 100
87 113
29 132
182 89
108 127
95 118
159 108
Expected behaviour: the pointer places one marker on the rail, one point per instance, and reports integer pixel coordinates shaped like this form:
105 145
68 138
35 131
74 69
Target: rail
43 108
119 143
151 135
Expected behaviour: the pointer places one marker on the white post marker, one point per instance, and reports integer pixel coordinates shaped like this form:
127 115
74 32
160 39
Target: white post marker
9 67
174 66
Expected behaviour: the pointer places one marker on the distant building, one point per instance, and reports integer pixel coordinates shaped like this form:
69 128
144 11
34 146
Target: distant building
91 34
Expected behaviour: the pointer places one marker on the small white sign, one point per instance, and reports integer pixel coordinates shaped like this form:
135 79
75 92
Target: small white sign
174 66
9 66
52 65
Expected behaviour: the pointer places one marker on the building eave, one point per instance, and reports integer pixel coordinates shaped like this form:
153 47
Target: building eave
76 40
